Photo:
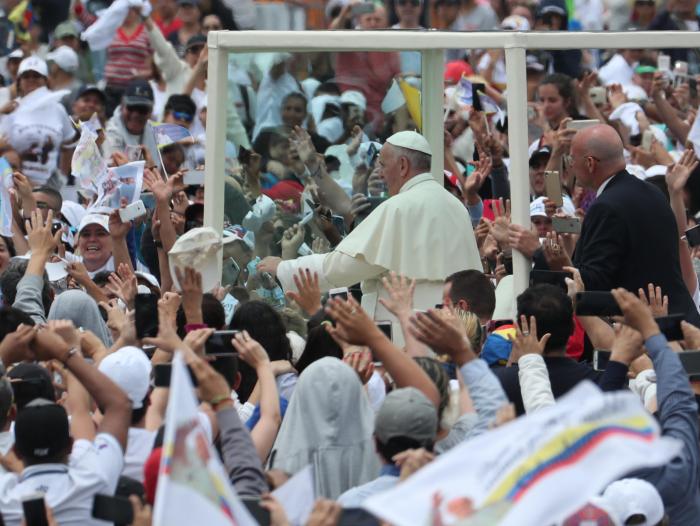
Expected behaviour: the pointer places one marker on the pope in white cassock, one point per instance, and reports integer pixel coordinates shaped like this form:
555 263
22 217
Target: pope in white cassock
422 232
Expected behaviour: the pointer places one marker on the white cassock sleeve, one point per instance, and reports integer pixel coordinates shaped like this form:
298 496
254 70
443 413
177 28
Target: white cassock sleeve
334 269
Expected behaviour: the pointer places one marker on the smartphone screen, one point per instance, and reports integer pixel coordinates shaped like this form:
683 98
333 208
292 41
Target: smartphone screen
385 327
691 363
219 344
146 315
230 271
35 511
596 303
692 236
600 359
116 510
340 292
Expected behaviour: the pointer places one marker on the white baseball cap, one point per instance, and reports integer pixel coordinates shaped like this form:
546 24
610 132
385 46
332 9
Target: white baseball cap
199 248
35 64
355 98
130 369
537 207
65 58
631 496
94 219
411 141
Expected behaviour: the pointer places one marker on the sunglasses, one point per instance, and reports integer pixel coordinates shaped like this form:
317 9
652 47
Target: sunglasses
143 110
183 116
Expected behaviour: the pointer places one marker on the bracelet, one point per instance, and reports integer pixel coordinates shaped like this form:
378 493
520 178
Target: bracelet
72 352
218 399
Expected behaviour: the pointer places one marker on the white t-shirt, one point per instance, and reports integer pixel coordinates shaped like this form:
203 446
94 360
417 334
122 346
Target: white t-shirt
37 136
68 490
138 449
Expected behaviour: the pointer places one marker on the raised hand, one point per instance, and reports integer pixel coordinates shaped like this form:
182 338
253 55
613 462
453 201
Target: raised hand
637 314
525 341
250 351
400 289
41 240
627 346
475 180
292 239
361 362
352 323
442 332
678 174
657 302
308 295
305 147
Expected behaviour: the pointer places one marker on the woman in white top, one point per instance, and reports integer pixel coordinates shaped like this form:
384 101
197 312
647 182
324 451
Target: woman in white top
38 124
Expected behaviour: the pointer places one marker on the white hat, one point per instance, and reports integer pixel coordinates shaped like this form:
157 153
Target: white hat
65 58
411 141
317 106
199 248
515 23
73 212
17 53
331 129
150 278
354 97
264 209
628 497
238 233
505 300
94 219
130 369
537 207
35 64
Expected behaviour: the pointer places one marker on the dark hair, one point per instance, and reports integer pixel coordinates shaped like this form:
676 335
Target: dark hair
31 381
226 366
183 103
138 414
10 246
319 344
295 95
265 325
213 315
7 399
12 276
55 194
438 375
476 289
395 445
101 278
553 311
11 318
565 88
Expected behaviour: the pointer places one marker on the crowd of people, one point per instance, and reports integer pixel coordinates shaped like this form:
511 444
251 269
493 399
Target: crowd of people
355 314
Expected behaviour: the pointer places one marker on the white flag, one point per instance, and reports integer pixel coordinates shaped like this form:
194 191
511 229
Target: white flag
535 470
120 182
193 487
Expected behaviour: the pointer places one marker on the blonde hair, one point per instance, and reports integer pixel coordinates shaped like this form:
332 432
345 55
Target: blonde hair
472 326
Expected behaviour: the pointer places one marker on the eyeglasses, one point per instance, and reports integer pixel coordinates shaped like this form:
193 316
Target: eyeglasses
183 116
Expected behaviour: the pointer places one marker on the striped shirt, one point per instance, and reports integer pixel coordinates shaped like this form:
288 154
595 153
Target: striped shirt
127 57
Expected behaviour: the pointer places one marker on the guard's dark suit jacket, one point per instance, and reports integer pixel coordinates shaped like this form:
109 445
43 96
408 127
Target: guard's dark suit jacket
629 239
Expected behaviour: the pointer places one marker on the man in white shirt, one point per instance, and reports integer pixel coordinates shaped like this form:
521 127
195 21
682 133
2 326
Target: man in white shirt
68 470
422 232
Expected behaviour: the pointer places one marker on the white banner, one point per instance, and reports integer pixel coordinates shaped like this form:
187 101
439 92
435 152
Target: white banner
535 470
193 487
88 165
120 182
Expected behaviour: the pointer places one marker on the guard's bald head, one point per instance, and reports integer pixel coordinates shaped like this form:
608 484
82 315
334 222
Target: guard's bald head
602 142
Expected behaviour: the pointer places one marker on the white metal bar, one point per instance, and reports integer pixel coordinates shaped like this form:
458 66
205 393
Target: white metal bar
518 148
396 40
432 65
214 169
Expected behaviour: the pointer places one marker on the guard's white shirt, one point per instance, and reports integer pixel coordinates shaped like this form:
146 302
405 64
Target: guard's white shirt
68 490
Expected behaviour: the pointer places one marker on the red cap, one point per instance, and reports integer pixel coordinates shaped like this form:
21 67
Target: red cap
456 69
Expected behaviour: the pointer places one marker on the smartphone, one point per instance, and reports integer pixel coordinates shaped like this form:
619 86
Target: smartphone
476 100
647 139
243 155
372 153
339 224
260 514
146 315
163 372
132 211
341 292
508 263
663 63
113 509
680 67
385 327
35 510
566 225
692 236
670 326
598 95
691 363
596 303
600 359
230 272
362 8
219 344
552 183
553 277
375 201
581 124
56 226
193 178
